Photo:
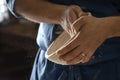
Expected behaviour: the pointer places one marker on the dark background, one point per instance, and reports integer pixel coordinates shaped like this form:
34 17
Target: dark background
17 48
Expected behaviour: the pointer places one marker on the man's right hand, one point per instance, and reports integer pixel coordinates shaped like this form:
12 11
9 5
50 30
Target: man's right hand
70 14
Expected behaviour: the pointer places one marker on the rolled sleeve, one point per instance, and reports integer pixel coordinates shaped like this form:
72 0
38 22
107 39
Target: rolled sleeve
10 6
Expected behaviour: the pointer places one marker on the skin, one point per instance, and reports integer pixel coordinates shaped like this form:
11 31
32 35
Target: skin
39 11
93 31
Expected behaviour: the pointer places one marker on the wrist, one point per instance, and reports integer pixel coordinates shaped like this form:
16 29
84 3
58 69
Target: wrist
114 26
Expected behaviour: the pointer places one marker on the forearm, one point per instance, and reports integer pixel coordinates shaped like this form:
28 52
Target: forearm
114 23
39 10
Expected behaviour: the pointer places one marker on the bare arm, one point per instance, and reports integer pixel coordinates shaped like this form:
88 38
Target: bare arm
44 11
115 26
39 10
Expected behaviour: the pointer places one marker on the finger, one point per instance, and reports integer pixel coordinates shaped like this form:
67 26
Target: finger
69 46
82 14
71 55
86 59
74 53
78 24
89 55
76 60
77 10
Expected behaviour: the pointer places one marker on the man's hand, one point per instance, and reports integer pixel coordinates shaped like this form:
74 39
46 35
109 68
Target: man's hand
70 14
94 31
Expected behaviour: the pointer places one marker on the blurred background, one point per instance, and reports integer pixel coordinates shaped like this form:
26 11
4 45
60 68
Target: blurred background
17 45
